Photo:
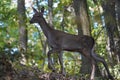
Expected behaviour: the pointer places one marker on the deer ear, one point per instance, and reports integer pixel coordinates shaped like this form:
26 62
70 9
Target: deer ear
42 10
35 11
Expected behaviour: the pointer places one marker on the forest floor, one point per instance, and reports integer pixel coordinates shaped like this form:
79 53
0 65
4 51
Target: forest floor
31 74
8 72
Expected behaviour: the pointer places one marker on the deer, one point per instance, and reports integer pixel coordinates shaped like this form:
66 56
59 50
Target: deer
61 41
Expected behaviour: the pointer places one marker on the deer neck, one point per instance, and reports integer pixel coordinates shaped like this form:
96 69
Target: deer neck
47 30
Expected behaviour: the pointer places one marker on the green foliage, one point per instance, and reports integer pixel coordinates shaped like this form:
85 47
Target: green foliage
72 63
61 13
36 56
116 71
8 26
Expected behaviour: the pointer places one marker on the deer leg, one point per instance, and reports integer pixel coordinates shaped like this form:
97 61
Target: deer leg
60 56
100 59
50 64
86 53
93 70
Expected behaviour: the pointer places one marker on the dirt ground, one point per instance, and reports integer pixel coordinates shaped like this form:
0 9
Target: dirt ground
8 72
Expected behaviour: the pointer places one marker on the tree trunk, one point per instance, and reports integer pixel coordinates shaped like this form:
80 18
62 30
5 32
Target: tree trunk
118 27
83 24
22 27
80 7
118 14
111 27
77 6
50 13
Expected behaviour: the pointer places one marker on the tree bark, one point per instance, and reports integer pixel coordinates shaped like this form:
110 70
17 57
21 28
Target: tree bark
111 27
76 5
50 13
80 7
22 26
118 26
83 24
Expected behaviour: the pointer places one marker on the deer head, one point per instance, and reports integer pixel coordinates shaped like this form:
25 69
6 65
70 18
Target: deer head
37 15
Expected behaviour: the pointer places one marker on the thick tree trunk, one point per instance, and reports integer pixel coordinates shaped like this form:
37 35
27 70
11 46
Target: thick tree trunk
82 20
76 5
118 14
22 27
111 27
83 24
118 26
